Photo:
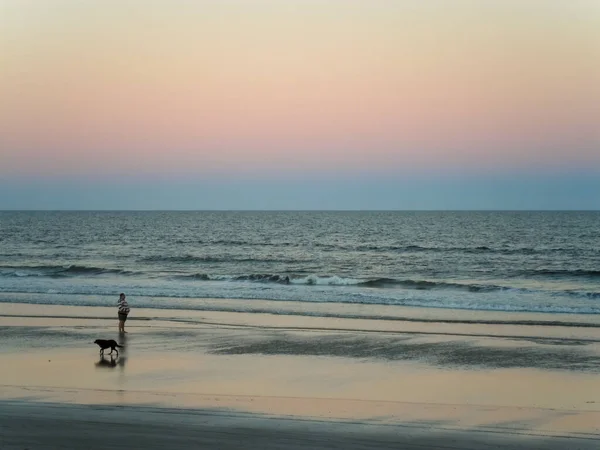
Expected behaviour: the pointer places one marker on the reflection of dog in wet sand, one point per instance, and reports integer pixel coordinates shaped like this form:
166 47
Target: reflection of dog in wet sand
107 343
104 363
115 361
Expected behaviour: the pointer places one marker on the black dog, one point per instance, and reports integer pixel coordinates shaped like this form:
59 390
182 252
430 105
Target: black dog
106 343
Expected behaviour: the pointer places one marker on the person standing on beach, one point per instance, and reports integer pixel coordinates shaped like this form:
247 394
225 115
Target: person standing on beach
123 311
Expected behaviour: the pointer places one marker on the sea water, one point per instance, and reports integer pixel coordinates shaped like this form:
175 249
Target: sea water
545 262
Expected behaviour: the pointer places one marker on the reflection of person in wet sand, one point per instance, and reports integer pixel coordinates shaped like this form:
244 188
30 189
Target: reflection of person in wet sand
122 359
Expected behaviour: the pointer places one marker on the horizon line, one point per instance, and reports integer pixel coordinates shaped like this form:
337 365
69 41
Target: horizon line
298 210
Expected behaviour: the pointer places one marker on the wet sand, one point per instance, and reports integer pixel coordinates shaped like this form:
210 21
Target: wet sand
234 380
53 426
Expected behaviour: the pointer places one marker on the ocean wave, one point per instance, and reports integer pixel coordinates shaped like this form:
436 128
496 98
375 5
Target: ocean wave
382 283
583 273
190 259
310 280
235 243
55 271
334 280
371 247
243 243
427 284
416 248
260 278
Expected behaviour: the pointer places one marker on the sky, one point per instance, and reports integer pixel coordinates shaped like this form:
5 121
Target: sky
300 104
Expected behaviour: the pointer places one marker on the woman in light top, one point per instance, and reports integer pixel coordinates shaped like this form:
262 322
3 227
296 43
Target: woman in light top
123 311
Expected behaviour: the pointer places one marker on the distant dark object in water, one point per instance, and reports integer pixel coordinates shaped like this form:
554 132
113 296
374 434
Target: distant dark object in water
106 343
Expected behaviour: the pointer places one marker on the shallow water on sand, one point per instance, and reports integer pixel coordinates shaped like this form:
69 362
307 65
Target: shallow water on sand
252 354
222 372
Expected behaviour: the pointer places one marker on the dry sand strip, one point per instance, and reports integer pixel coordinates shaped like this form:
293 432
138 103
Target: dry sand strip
48 426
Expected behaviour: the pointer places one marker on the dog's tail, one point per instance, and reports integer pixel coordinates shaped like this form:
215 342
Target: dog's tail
120 346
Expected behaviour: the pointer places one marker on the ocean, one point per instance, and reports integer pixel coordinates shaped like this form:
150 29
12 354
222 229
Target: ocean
292 262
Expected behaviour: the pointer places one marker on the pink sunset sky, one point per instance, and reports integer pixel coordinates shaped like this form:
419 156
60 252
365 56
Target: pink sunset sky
286 86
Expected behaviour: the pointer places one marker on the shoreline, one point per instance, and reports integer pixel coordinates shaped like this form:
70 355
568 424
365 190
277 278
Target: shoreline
389 313
313 304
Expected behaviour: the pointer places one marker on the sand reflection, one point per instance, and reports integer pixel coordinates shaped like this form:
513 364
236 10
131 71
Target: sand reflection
106 363
111 362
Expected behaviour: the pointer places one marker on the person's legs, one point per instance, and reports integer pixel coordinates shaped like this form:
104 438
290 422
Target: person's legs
122 319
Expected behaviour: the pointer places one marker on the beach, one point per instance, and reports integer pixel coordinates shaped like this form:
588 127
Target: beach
213 379
324 225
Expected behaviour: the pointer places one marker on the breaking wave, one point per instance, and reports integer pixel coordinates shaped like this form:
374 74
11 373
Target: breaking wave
378 283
